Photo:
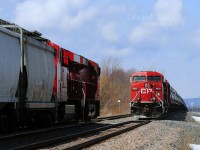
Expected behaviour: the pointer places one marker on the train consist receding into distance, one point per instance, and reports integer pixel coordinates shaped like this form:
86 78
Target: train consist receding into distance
152 95
41 82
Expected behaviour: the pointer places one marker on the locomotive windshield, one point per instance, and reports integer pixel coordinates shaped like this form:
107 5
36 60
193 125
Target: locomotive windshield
154 78
139 78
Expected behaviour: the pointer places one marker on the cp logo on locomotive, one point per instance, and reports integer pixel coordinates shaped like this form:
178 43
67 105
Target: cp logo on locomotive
145 91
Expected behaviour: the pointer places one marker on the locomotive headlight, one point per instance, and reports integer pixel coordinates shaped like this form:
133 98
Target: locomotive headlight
153 98
158 89
158 94
134 89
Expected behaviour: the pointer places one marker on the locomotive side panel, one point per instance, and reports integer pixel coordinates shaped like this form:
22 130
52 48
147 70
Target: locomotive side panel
9 66
39 61
75 85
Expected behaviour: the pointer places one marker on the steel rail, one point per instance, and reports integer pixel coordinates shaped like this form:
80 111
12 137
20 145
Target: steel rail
114 117
39 131
104 137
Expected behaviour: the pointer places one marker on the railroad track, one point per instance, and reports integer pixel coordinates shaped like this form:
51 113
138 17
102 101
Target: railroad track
96 139
43 130
119 128
102 137
165 116
114 117
21 136
94 131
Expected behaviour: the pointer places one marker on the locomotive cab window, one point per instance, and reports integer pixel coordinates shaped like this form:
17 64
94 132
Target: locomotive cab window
139 78
154 78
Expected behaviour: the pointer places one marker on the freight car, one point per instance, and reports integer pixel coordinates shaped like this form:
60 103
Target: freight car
152 95
43 83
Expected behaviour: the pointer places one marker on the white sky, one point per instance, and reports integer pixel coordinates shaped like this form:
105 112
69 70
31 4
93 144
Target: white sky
161 35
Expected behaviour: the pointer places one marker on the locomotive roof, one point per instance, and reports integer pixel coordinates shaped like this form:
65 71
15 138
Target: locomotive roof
71 55
147 73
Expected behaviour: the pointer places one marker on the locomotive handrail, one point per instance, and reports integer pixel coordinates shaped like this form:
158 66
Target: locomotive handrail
137 94
21 42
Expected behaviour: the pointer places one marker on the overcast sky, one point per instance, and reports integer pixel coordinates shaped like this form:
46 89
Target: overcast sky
159 35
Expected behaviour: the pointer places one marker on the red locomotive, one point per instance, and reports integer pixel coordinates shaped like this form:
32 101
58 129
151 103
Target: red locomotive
152 95
42 82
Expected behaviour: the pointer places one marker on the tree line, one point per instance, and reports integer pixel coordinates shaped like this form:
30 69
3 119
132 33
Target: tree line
115 87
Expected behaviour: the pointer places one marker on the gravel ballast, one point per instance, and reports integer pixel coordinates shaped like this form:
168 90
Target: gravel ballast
157 135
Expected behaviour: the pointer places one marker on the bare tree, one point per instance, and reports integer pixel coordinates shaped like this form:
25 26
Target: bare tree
114 86
110 64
